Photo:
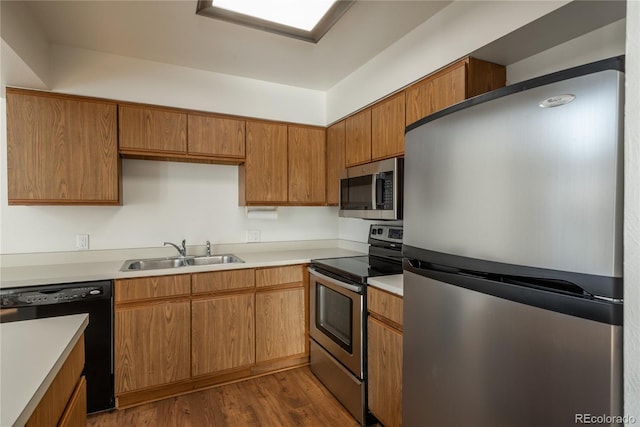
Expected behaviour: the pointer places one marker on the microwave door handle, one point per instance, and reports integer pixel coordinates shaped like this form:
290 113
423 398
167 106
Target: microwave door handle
374 192
378 185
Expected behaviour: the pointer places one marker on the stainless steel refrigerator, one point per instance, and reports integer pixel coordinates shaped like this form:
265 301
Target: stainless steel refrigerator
513 255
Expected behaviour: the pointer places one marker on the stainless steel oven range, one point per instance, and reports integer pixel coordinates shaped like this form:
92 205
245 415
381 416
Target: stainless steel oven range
338 315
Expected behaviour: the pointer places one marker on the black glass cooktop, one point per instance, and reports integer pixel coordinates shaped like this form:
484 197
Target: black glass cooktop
357 268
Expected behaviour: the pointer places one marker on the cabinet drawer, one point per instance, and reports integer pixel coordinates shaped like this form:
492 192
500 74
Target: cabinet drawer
278 275
222 281
385 304
152 287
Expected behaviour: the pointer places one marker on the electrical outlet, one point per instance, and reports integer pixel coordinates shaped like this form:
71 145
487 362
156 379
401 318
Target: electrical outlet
82 242
253 236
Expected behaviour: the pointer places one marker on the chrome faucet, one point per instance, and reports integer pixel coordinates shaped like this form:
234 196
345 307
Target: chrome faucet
181 250
208 248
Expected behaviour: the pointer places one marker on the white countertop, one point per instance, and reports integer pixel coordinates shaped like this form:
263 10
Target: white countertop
393 283
31 355
53 273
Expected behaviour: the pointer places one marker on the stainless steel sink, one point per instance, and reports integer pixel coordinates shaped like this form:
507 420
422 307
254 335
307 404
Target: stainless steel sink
214 259
175 262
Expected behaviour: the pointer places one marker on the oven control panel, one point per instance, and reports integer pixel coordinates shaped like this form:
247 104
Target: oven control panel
383 234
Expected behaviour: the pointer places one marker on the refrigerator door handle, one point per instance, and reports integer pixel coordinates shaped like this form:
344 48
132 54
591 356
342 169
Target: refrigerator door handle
584 306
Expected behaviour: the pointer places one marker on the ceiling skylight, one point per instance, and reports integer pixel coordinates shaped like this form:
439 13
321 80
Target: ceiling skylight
294 13
304 19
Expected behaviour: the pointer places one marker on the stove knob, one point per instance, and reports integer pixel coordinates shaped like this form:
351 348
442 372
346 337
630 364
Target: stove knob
374 231
379 230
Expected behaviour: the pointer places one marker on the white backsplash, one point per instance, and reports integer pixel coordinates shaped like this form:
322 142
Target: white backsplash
162 201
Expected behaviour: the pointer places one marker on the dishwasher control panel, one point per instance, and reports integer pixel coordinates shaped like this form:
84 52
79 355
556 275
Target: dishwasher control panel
54 296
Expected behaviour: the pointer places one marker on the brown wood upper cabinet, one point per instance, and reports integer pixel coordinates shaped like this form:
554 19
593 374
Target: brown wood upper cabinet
61 150
263 178
464 79
285 165
172 134
358 138
307 167
215 136
335 160
152 130
387 127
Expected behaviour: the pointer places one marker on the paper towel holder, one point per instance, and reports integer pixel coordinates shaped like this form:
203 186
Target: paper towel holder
262 212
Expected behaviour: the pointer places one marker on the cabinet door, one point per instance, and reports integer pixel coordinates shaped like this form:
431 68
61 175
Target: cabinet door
222 333
75 415
56 398
61 150
385 373
387 128
358 138
152 130
307 167
335 160
280 324
265 168
433 94
215 136
152 345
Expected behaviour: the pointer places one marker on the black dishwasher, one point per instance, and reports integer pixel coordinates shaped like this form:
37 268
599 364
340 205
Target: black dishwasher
94 298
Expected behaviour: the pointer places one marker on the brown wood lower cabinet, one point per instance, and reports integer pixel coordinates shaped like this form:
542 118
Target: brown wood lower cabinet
76 413
385 356
65 401
176 334
152 344
222 333
280 324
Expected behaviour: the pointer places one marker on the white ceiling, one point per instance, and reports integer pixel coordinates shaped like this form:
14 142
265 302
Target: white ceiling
171 32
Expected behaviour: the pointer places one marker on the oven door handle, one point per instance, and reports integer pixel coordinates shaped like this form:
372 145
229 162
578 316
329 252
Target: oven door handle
352 288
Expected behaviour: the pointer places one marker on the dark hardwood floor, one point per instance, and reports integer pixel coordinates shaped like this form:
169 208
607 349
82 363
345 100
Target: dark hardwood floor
289 398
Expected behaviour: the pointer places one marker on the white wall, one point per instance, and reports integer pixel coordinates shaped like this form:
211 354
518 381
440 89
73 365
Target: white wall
460 28
632 215
605 42
91 73
27 44
602 43
164 200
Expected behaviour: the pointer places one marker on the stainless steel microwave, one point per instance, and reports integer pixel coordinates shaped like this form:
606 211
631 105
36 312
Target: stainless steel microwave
372 191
